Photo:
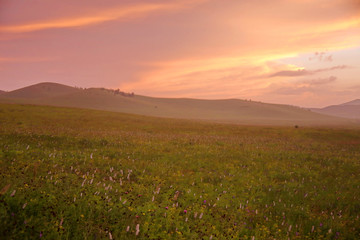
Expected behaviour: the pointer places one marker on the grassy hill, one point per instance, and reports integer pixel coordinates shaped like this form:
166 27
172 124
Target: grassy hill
41 91
229 110
83 174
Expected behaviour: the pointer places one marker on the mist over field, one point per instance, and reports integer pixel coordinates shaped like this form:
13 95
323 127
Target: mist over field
225 110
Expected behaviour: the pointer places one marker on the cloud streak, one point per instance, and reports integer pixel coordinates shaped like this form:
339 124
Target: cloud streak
319 81
304 72
119 13
301 87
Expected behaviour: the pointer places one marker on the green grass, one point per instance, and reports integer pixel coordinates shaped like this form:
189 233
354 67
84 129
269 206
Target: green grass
82 174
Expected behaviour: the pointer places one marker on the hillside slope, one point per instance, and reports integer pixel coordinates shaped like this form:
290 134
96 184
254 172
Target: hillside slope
346 110
41 90
228 110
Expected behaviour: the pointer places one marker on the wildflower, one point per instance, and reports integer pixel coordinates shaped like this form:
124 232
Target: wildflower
137 229
185 211
166 208
128 228
13 193
176 195
204 201
41 234
110 235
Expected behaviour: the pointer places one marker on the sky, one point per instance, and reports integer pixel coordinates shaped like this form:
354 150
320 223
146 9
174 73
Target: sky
298 52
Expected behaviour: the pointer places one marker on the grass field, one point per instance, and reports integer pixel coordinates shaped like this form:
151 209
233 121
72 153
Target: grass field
83 174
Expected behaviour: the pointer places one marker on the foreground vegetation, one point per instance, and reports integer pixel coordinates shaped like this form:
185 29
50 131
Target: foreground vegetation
82 174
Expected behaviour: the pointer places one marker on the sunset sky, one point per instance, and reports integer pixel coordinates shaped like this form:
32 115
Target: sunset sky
298 52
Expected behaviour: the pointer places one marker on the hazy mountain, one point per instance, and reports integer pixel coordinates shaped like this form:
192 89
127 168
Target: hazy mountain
354 102
346 110
228 110
1 91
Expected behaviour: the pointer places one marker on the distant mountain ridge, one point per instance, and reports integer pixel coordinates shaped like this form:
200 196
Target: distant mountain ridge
351 111
353 102
346 110
225 110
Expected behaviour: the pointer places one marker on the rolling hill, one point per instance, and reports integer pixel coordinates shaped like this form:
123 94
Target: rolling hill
41 91
346 110
227 110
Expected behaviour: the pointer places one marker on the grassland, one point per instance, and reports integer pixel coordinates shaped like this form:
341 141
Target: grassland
83 174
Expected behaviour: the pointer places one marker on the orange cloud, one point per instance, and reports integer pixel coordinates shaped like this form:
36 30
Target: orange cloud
120 13
245 72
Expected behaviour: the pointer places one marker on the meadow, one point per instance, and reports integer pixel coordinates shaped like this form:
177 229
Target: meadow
69 173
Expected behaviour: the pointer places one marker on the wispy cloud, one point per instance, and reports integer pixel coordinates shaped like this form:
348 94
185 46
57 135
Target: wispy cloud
319 81
117 13
302 86
304 72
321 57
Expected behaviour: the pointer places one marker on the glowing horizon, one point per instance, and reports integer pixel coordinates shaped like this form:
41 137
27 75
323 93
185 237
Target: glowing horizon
304 53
